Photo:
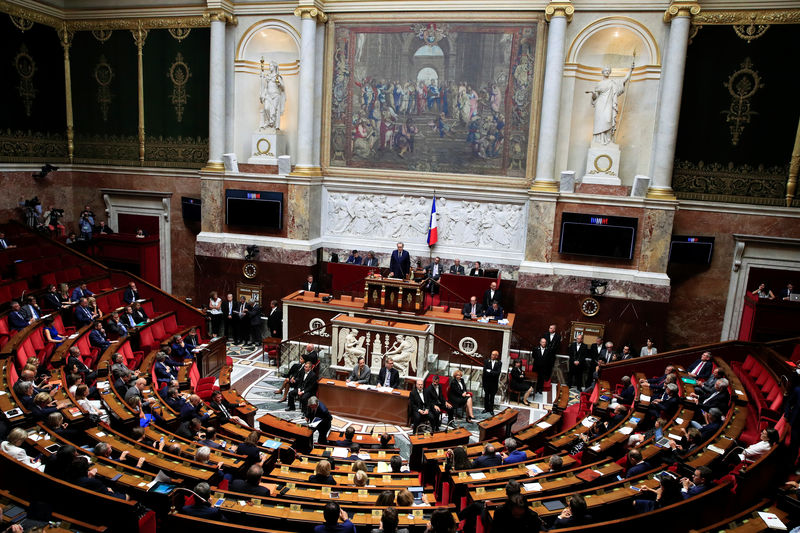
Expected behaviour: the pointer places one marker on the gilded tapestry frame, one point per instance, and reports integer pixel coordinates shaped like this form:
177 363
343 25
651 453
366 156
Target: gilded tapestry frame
534 18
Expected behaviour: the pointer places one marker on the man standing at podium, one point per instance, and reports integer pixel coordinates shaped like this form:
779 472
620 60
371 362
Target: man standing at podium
400 263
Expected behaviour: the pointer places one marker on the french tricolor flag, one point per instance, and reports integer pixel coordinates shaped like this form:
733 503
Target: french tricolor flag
433 234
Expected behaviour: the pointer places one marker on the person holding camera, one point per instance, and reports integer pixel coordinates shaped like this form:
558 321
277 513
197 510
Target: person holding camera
86 223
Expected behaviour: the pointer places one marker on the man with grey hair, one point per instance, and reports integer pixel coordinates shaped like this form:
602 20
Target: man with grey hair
319 419
489 458
400 263
512 454
556 463
202 508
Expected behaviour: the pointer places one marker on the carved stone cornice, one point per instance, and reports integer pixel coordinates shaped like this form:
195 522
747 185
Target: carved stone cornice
559 9
761 16
30 14
311 12
681 9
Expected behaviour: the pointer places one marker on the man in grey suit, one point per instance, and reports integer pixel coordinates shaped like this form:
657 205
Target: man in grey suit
371 260
360 373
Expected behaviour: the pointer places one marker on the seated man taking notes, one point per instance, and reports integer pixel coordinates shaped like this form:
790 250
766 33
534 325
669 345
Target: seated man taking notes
360 373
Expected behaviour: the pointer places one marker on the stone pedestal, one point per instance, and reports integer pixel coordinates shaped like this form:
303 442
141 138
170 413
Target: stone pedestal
602 165
266 146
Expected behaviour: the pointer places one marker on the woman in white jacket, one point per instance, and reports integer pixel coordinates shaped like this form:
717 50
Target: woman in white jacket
12 447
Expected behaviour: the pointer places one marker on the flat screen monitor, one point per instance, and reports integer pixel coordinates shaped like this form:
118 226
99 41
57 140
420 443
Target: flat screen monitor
598 235
691 250
254 209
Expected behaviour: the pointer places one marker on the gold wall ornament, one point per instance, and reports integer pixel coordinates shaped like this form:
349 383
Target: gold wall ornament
26 68
179 75
22 23
65 38
750 32
311 12
103 75
102 35
180 33
740 17
742 86
266 149
139 37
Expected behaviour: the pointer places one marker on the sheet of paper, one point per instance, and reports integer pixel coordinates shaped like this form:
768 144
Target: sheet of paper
543 425
715 449
626 430
644 398
477 475
673 436
679 421
339 452
532 487
533 469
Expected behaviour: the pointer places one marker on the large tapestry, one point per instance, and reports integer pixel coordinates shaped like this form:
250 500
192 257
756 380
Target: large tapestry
739 114
432 96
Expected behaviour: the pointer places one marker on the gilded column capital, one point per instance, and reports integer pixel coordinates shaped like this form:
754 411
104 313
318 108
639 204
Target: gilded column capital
65 36
681 9
222 16
139 36
311 12
559 9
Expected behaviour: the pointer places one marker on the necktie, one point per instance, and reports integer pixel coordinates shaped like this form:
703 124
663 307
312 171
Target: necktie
34 314
224 410
698 368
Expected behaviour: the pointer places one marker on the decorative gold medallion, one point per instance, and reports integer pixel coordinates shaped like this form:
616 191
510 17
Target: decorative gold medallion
103 74
26 68
102 35
750 32
264 151
21 23
590 306
742 86
179 33
179 75
599 160
250 270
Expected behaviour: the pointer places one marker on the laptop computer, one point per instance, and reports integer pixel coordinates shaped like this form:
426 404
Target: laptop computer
663 442
794 297
553 505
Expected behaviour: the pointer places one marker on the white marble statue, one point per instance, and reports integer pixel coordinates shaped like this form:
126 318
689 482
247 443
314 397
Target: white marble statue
351 347
604 99
272 96
403 353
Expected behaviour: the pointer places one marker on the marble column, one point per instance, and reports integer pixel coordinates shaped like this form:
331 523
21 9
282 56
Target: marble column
679 16
305 121
216 93
558 14
230 90
65 36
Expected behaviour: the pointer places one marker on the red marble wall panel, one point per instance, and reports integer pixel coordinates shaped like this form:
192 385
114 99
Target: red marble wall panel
257 186
699 293
620 211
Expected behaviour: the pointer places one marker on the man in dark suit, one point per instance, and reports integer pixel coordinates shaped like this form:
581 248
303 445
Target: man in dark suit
254 313
700 482
636 464
433 272
542 363
275 320
131 293
476 269
389 376
306 387
417 407
354 258
607 354
138 313
399 263
317 410
241 330
202 508
492 295
83 315
491 377
494 311
488 458
437 404
701 369
128 319
52 299
626 395
457 268
229 318
16 318
786 293
472 309
666 405
553 339
97 337
578 354
310 285
75 365
719 398
251 484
